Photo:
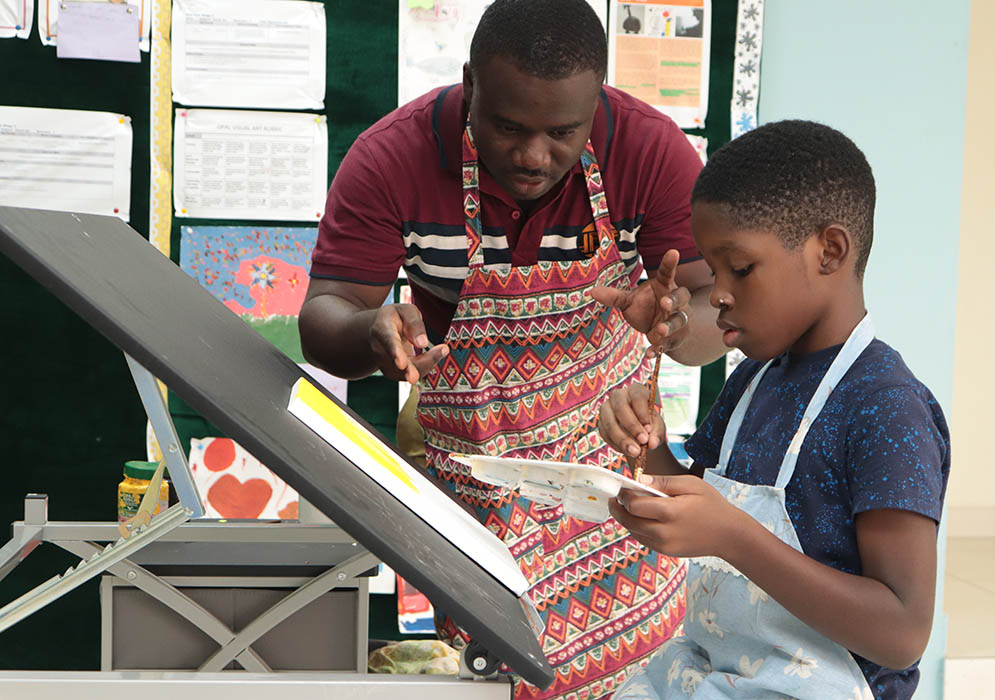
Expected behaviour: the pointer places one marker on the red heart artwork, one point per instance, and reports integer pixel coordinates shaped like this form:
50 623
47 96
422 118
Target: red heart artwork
235 499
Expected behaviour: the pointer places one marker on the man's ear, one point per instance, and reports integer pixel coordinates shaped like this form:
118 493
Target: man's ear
467 84
836 247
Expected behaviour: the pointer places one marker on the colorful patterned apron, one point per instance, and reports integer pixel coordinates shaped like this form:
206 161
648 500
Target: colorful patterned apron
740 642
532 359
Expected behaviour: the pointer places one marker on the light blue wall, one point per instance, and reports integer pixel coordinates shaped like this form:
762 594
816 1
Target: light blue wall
891 74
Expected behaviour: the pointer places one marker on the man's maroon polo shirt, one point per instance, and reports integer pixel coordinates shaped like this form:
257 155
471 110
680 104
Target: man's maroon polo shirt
397 199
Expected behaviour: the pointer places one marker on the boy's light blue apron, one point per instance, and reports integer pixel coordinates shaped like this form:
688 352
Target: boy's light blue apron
739 641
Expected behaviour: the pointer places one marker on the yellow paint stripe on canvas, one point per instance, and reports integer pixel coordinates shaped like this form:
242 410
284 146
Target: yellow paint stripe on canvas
345 424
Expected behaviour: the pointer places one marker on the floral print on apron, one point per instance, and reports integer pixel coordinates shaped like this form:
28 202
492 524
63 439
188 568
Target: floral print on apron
739 641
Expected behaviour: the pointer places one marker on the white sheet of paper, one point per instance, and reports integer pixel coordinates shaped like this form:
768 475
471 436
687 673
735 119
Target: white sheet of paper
103 31
434 42
15 18
585 491
48 20
405 483
230 164
249 53
65 159
659 52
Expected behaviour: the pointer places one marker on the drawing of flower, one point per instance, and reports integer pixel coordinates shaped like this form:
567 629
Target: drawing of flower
263 275
801 665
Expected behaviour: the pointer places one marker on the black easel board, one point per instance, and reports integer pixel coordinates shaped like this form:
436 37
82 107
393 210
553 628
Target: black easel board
149 308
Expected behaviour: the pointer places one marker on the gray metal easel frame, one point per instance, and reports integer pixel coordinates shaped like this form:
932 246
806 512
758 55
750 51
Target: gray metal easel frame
108 274
261 544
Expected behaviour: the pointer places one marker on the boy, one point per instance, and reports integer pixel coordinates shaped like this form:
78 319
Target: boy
813 530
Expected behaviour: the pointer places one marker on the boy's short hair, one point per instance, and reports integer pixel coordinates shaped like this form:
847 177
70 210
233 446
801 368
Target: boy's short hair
547 39
793 178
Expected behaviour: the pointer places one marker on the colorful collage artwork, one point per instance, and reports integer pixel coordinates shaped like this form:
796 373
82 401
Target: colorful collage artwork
259 273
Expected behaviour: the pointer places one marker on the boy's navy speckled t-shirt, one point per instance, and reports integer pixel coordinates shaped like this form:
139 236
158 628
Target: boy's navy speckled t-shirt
881 441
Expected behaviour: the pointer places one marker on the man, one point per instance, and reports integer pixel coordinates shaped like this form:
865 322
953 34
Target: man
520 203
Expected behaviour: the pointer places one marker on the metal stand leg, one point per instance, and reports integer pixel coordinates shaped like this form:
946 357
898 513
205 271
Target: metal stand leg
17 550
170 596
165 434
114 558
57 586
307 593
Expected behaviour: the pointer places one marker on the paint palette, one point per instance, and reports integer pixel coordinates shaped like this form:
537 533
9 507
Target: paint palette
584 490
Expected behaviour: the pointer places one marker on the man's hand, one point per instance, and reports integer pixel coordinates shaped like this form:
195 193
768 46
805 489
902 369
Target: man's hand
659 307
347 331
396 336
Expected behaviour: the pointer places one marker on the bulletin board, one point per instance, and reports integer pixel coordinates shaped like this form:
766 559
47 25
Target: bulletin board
358 95
69 413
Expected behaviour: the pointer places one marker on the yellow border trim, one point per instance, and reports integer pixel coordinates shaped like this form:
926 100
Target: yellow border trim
345 424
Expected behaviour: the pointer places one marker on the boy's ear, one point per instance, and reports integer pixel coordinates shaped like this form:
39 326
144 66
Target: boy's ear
836 247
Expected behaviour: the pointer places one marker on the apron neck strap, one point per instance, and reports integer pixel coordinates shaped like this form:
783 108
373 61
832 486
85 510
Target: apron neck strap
596 195
471 198
855 344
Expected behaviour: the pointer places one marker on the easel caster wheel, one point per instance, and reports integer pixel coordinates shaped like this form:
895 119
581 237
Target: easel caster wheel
480 661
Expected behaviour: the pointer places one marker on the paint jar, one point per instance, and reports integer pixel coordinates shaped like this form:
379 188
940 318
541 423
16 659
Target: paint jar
137 478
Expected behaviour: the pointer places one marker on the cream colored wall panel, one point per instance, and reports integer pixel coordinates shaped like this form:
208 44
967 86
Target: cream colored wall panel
971 494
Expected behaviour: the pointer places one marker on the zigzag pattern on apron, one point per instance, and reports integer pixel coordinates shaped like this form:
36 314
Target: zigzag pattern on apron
532 359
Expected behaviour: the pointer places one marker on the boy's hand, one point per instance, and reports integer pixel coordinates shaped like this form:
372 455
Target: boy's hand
659 307
696 521
627 421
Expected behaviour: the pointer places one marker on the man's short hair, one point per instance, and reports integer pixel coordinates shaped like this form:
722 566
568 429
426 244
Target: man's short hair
793 178
547 39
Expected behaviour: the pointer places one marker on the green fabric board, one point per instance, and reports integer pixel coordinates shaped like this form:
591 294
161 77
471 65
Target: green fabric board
717 130
70 413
